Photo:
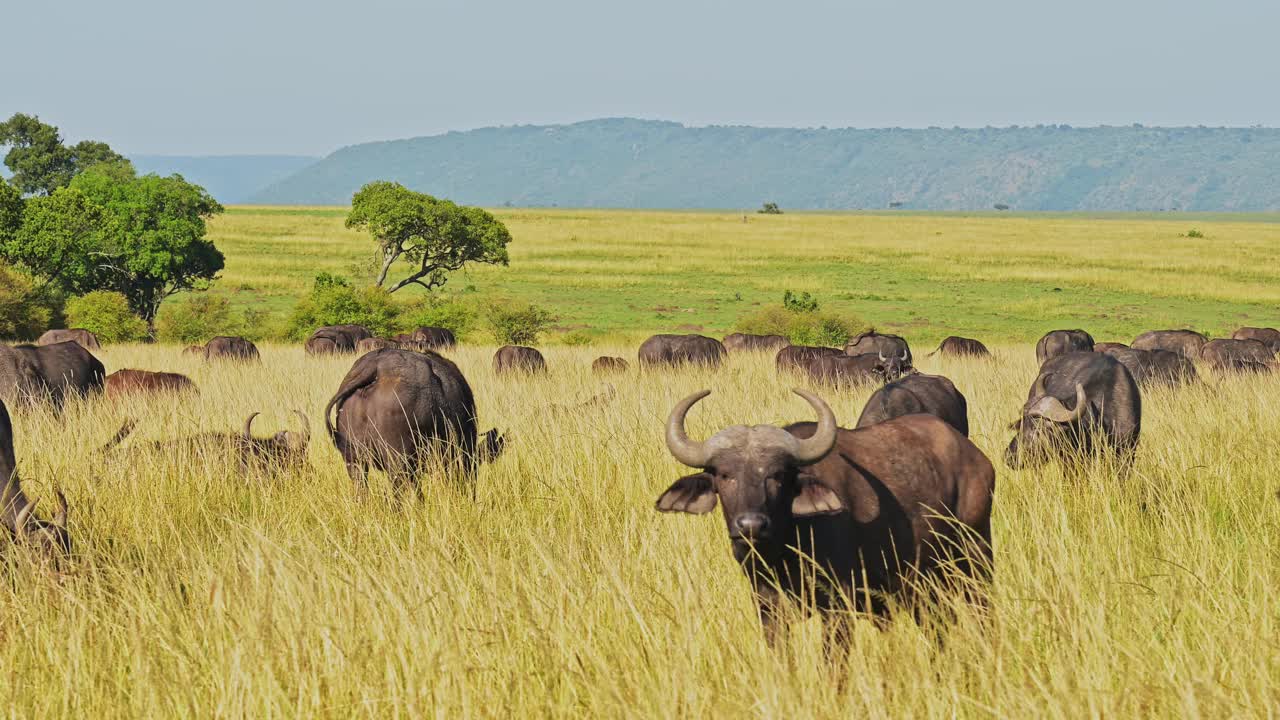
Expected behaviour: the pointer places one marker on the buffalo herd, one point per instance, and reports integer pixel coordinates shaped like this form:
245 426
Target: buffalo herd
895 509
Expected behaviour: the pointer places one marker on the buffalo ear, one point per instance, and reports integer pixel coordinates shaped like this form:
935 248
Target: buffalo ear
691 494
816 499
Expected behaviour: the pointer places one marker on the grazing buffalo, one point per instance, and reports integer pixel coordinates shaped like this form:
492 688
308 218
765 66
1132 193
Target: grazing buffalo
1267 336
796 358
284 451
915 394
193 350
375 343
607 365
128 381
876 509
328 341
962 347
1151 368
396 410
846 371
677 350
1238 356
49 373
874 343
1061 342
517 358
746 342
86 339
1106 346
1080 402
1184 342
48 540
434 338
230 348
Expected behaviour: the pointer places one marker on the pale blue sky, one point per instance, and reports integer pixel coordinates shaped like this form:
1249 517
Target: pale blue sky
288 76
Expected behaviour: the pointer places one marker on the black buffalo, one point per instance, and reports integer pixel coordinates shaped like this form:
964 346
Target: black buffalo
47 539
1061 342
375 343
397 410
1080 403
49 373
1268 336
796 358
846 371
875 508
746 342
914 394
336 339
518 358
874 343
85 338
434 338
1105 346
230 348
1151 368
678 350
1184 342
1238 356
606 365
963 347
282 452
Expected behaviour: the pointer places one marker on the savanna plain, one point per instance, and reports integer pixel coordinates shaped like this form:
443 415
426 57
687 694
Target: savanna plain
558 591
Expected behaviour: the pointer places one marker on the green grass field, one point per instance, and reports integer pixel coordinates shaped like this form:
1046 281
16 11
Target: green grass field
1000 278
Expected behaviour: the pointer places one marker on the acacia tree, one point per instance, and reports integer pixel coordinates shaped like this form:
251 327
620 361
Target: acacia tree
435 236
39 160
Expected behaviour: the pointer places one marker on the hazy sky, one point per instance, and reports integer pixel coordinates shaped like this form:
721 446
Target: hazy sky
293 76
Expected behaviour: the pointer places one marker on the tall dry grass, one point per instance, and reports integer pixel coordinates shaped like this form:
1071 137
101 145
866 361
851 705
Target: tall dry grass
560 592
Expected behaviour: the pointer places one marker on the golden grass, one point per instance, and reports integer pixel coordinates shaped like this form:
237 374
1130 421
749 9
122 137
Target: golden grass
560 592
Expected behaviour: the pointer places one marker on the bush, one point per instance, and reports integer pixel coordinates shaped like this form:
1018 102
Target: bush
448 313
799 320
107 315
1194 234
517 323
579 338
195 321
802 303
770 208
333 301
25 311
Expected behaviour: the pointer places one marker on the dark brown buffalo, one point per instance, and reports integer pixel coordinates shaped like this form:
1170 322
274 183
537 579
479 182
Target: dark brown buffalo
846 371
86 339
1061 342
129 381
1267 336
397 410
797 358
517 358
914 394
48 540
230 348
331 341
746 342
874 343
1238 356
1106 346
962 347
608 365
434 338
282 452
1184 342
876 508
1080 403
678 350
49 373
1152 368
370 344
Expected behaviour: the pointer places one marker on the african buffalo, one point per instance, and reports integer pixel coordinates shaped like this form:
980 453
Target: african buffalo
929 394
960 346
846 371
1238 356
874 343
1061 342
1154 367
517 358
1184 342
396 410
1080 402
375 343
1105 346
49 373
329 342
47 539
128 381
876 508
746 342
193 350
677 350
1268 336
284 451
434 338
796 358
230 348
606 365
86 339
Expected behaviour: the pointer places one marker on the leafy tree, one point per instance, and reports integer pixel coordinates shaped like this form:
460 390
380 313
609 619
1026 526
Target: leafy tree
25 310
436 236
770 208
10 211
41 163
333 301
60 241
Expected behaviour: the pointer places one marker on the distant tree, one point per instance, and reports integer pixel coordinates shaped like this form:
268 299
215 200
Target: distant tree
1000 206
770 208
436 236
895 205
39 161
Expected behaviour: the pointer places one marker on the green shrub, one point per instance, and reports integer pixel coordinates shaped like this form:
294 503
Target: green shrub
201 317
770 208
25 311
1194 234
579 337
811 327
106 314
442 312
802 303
517 323
333 301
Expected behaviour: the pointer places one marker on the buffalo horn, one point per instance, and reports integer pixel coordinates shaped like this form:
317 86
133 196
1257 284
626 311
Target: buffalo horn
248 425
691 453
824 438
20 522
